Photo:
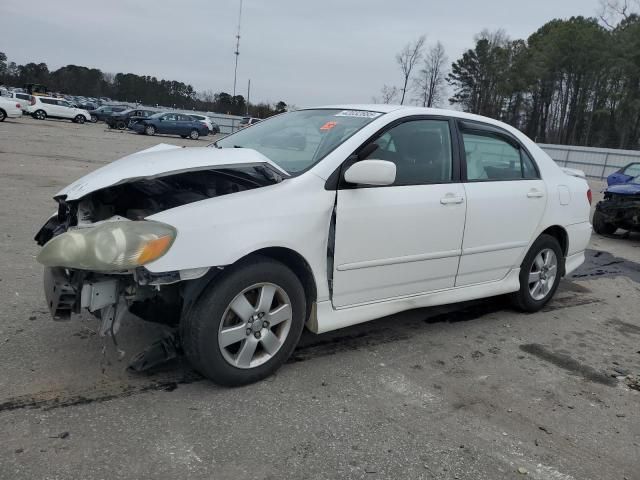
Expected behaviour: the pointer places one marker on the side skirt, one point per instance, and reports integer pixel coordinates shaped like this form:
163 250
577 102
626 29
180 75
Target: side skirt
327 318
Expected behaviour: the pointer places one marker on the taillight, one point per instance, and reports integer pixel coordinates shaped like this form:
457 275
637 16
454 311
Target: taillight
33 101
589 196
18 106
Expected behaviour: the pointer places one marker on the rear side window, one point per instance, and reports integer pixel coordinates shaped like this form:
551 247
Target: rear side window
489 157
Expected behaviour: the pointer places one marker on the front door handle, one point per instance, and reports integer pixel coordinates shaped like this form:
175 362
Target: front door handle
535 194
450 199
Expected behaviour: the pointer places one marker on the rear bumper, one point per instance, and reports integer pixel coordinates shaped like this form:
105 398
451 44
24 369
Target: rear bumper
579 236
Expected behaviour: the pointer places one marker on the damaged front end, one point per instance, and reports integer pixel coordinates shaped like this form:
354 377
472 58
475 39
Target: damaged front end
620 210
96 246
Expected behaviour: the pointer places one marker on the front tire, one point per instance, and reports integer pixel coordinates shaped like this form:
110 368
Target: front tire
150 130
601 226
540 274
39 114
79 119
246 324
120 125
94 119
3 115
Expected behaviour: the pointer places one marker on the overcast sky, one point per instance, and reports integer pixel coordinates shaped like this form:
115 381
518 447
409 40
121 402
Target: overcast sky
305 53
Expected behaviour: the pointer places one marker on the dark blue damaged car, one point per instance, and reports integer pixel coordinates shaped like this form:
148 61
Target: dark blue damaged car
620 208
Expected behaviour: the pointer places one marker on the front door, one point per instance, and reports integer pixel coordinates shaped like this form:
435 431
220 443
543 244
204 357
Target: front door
404 239
506 201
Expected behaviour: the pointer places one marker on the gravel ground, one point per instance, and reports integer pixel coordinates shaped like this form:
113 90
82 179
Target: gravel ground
476 391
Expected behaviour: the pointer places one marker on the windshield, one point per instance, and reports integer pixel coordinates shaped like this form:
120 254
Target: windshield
295 141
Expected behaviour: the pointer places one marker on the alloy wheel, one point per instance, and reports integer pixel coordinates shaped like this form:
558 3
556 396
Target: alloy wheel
255 325
542 275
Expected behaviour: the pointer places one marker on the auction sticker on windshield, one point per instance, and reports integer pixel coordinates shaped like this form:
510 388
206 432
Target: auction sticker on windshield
358 113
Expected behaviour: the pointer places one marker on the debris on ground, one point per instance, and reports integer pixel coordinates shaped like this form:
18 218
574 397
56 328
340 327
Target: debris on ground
522 471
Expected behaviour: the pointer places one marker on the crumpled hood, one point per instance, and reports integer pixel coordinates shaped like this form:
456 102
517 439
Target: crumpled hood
160 160
625 189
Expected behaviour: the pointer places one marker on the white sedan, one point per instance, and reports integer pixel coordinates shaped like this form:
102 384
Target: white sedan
10 107
323 217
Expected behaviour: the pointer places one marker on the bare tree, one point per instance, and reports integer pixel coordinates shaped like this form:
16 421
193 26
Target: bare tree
388 94
613 11
429 84
407 59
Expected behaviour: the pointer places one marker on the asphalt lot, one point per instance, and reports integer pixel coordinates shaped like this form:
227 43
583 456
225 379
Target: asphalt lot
471 392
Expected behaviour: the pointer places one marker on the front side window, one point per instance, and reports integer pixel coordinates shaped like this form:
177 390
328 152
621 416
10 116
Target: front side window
421 150
491 158
296 141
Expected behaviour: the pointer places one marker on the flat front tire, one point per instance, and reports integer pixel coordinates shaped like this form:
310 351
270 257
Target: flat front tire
601 226
540 274
246 324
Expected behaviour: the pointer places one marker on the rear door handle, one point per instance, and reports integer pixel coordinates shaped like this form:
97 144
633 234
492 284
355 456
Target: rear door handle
451 199
535 194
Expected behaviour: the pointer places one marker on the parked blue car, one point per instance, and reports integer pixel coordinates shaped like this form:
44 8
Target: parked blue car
619 209
171 124
625 174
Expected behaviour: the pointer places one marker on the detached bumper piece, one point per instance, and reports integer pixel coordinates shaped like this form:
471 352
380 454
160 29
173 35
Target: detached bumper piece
61 294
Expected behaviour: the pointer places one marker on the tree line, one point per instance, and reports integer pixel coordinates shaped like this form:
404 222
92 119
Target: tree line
574 81
129 87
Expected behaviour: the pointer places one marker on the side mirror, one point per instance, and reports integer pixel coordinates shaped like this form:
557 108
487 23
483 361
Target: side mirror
371 172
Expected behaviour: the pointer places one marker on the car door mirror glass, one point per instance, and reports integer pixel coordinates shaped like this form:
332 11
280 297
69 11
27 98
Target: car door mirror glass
371 172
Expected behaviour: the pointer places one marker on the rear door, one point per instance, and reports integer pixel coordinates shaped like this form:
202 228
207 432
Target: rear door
506 201
185 124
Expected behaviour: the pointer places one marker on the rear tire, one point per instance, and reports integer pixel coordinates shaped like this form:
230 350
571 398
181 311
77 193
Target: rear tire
79 119
601 226
273 331
194 135
150 130
540 274
120 125
39 114
3 115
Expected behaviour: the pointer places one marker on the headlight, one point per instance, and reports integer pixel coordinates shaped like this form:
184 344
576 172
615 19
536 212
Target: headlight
110 246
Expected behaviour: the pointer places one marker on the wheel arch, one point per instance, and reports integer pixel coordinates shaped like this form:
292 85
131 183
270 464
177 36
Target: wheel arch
292 259
560 234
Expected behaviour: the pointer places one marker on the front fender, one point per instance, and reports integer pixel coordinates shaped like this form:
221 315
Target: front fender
293 214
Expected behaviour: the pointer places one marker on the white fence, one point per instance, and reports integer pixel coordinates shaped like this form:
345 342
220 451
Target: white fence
594 162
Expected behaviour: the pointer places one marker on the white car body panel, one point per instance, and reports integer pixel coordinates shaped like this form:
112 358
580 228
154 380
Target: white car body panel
10 108
161 160
396 248
386 245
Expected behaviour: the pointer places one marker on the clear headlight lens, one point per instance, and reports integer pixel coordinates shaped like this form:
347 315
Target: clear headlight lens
109 246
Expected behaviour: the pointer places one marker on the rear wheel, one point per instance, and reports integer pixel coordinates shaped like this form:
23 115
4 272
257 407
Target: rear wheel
79 119
246 324
120 125
601 226
194 135
540 274
39 114
150 130
3 115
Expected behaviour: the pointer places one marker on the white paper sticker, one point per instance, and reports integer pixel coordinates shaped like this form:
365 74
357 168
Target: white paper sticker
358 113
